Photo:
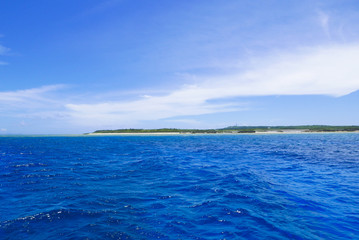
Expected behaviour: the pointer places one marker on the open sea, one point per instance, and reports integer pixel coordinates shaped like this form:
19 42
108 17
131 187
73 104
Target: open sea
285 186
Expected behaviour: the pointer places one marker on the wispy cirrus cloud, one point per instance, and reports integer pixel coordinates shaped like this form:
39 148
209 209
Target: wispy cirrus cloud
179 103
330 70
33 94
42 102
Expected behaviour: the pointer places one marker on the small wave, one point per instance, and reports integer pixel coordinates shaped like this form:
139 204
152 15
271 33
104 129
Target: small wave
52 215
29 165
193 187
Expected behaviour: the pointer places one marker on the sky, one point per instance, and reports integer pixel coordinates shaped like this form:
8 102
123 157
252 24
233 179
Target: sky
80 66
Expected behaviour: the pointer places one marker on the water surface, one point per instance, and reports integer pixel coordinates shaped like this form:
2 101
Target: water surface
303 186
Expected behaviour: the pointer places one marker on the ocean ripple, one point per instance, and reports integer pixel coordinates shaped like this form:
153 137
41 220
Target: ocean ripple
180 187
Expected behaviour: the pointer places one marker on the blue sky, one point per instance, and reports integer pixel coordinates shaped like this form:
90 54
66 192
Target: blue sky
78 66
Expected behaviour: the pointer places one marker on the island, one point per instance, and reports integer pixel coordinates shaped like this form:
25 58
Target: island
235 130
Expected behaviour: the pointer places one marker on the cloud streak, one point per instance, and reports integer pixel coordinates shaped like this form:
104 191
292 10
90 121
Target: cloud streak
33 94
36 103
328 70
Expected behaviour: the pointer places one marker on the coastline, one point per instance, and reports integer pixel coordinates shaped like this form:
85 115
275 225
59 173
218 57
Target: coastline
175 134
225 133
137 134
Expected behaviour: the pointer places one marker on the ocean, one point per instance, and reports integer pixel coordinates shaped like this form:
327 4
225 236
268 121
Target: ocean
278 186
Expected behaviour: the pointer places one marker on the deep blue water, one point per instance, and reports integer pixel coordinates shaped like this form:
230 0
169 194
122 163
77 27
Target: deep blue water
303 186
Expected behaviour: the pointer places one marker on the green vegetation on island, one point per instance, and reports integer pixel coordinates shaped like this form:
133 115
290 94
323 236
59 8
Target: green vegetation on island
241 129
305 128
160 130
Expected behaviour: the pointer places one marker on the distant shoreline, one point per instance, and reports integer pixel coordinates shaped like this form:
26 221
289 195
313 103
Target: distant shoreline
134 133
296 129
171 134
224 133
234 130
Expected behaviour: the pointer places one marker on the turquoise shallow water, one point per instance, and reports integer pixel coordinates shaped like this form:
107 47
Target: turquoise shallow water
303 186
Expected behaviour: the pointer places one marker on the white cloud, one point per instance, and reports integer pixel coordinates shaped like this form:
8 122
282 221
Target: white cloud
28 94
42 102
178 103
326 71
